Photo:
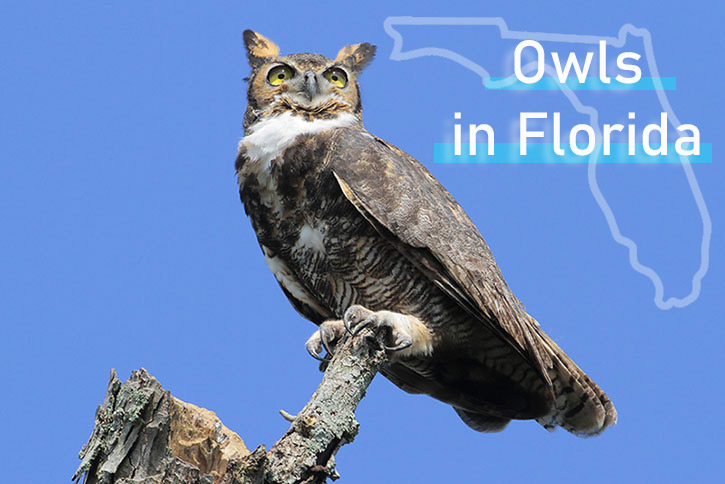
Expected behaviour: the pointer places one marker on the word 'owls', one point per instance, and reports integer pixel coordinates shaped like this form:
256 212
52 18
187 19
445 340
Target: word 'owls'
358 233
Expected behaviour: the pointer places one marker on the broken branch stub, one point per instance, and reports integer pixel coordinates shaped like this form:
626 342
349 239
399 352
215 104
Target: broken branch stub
142 434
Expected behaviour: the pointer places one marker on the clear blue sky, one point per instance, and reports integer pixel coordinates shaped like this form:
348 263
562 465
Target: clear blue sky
124 243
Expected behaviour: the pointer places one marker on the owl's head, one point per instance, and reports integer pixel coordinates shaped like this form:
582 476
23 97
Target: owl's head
308 85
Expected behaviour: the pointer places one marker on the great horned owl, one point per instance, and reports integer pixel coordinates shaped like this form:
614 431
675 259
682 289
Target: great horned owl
358 233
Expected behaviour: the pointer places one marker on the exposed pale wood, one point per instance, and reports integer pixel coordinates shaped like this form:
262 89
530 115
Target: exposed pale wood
144 435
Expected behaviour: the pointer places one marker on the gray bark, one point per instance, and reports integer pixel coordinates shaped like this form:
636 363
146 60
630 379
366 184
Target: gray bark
142 434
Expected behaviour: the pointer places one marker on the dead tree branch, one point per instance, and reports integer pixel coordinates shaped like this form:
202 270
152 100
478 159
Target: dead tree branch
144 435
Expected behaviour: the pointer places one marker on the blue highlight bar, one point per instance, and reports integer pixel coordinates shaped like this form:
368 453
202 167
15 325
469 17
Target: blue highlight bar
547 83
544 153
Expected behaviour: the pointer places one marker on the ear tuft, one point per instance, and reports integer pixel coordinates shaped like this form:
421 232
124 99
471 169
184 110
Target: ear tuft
356 56
259 48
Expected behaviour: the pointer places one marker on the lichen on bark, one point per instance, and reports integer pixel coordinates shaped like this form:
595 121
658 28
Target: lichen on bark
144 435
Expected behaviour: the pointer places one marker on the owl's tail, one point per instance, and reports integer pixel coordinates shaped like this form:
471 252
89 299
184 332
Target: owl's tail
581 406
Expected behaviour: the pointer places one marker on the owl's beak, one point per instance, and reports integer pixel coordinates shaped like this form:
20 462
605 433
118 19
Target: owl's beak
310 85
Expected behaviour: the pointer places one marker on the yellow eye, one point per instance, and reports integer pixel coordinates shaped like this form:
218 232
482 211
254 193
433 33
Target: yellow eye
277 75
336 76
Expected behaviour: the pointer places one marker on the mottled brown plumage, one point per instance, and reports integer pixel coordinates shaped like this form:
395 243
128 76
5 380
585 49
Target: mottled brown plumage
354 228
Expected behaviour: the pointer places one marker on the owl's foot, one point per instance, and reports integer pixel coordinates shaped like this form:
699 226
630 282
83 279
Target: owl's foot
326 337
404 334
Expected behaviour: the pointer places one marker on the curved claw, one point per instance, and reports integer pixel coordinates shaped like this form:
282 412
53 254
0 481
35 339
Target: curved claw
326 344
346 322
402 331
369 321
325 338
314 347
401 346
355 318
314 354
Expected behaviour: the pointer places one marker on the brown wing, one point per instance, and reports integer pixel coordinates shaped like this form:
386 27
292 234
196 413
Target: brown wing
405 203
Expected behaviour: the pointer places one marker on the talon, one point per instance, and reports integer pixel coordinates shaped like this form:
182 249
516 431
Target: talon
347 317
354 316
371 320
402 332
316 355
401 346
314 346
326 337
326 342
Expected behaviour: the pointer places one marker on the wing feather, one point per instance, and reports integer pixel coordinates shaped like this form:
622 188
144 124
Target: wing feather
405 203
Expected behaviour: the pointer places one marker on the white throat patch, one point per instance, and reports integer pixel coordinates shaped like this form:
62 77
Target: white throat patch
270 137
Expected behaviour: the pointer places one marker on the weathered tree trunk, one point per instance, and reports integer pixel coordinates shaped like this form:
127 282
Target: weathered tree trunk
144 435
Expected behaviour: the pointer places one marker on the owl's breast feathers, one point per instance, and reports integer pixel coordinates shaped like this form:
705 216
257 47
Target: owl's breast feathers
406 204
343 187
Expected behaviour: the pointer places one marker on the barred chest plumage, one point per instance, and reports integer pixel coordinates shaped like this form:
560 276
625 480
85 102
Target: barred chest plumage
322 251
